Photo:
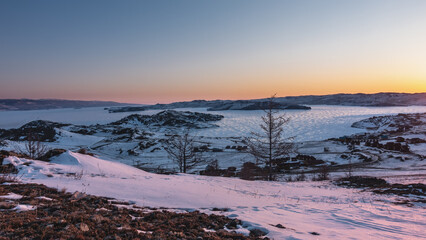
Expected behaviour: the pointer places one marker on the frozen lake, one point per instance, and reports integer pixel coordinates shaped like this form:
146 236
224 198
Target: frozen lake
321 122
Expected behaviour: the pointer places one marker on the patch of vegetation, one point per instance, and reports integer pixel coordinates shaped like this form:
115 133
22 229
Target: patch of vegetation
380 186
61 215
362 182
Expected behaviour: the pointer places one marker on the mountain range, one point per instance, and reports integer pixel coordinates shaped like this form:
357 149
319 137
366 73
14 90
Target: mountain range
292 102
296 102
38 104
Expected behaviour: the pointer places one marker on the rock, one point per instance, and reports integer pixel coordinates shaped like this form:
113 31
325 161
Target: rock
83 227
52 153
222 232
77 196
233 224
38 130
98 218
220 209
257 233
7 205
280 226
57 213
113 237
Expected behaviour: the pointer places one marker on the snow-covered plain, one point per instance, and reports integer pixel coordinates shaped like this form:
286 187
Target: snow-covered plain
302 207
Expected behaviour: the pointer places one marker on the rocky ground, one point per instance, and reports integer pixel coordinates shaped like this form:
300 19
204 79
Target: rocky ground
33 211
410 192
47 131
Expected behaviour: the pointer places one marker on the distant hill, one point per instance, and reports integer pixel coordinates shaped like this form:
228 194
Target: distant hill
297 102
38 104
360 99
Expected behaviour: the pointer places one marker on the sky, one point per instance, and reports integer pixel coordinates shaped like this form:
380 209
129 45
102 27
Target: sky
162 51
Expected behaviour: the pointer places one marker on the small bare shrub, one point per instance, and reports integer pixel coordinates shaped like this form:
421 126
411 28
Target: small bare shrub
8 173
182 150
33 148
78 175
8 177
289 179
322 175
85 152
250 171
300 177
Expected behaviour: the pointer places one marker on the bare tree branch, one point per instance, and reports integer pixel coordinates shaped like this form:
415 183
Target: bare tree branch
181 149
33 148
269 145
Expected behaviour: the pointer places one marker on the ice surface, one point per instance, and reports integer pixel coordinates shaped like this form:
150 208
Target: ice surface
322 122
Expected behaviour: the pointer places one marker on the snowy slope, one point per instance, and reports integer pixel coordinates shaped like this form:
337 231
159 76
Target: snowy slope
304 207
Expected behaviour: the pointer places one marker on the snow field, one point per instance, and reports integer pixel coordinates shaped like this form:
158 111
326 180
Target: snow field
301 207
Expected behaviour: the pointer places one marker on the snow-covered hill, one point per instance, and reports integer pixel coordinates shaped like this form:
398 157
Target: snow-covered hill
33 104
171 118
294 102
302 208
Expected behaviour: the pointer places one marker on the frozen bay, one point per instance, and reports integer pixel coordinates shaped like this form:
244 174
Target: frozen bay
322 122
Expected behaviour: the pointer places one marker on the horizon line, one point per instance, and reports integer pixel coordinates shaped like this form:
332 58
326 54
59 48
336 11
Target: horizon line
303 95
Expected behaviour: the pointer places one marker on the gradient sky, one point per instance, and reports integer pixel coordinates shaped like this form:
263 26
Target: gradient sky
163 51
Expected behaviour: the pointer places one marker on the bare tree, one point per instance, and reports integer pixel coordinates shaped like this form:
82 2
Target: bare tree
33 148
269 146
181 149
